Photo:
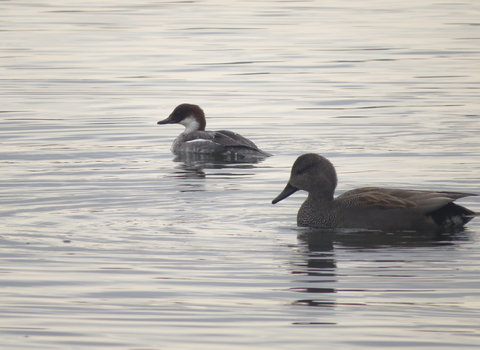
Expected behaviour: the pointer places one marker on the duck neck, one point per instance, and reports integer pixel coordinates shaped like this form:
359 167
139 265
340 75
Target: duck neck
319 202
316 211
192 124
323 196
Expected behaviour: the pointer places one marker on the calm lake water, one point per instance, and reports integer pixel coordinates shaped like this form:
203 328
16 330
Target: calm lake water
107 241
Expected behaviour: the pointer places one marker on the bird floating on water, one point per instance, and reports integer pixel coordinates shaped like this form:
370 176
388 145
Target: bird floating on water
195 139
370 208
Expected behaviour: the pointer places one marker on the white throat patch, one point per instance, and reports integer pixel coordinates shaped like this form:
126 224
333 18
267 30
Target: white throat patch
190 124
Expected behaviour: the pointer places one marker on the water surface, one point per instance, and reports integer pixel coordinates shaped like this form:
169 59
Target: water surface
108 241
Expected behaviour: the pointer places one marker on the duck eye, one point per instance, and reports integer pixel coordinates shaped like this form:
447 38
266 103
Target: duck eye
303 170
299 171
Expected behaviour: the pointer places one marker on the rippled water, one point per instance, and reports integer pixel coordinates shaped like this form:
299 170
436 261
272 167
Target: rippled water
108 241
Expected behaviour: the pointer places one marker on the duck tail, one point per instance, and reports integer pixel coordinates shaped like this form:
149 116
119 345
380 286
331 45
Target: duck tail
452 216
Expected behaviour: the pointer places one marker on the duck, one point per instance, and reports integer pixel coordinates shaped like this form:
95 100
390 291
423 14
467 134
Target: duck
369 208
195 139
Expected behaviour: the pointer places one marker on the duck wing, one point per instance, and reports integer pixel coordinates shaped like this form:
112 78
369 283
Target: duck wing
385 198
233 139
223 140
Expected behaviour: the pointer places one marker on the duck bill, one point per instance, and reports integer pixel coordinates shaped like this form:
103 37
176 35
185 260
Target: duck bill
166 121
287 191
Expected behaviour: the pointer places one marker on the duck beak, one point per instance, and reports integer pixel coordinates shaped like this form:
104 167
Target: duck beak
165 121
287 191
169 120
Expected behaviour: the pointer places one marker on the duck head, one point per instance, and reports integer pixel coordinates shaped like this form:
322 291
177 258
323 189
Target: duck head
312 173
188 115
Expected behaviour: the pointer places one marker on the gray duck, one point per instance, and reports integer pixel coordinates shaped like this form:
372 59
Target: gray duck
370 208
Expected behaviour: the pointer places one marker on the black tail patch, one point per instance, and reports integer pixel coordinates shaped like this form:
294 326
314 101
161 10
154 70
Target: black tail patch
452 216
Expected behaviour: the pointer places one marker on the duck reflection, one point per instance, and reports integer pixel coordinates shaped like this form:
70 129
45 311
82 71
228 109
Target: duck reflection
318 263
192 165
317 249
361 240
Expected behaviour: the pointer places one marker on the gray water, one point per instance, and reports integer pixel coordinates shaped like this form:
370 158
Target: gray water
107 241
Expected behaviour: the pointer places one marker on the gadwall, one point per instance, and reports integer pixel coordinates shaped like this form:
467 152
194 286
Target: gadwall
370 208
196 140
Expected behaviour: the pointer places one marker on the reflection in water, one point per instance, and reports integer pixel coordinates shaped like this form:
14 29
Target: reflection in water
363 239
319 262
192 164
214 160
318 256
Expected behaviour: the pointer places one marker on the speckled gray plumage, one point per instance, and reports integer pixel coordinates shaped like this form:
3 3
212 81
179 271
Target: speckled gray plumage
370 207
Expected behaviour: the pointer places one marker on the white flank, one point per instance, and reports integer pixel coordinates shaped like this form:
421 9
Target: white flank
198 140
